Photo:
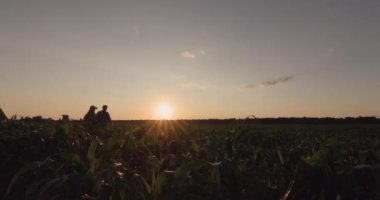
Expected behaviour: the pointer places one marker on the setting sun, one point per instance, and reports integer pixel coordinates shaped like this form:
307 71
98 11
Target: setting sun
164 111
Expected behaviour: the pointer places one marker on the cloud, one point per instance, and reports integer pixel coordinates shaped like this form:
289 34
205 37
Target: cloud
250 86
193 54
276 81
189 54
269 83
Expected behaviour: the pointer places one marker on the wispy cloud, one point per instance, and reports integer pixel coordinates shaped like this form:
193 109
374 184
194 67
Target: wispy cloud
189 54
193 54
269 83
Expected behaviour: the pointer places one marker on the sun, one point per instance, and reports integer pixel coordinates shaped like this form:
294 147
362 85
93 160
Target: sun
164 111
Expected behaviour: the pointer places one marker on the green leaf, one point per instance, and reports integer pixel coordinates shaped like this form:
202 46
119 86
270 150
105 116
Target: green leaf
158 184
24 170
192 166
91 155
280 157
45 188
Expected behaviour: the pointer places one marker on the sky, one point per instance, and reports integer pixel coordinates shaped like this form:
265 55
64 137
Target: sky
202 58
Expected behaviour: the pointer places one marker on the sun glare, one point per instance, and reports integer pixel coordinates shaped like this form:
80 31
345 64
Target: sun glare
164 111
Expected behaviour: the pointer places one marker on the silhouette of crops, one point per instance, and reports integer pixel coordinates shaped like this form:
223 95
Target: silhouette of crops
62 160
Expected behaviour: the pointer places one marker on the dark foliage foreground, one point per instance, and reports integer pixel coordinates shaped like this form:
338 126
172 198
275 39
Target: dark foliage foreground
61 160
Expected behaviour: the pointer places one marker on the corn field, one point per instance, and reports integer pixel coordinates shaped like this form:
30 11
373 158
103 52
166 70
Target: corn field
49 159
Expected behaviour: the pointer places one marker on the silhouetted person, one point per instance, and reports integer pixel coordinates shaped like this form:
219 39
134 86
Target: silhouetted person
89 119
103 117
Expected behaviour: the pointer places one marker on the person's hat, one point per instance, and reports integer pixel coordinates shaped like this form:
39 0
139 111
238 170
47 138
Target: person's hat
93 107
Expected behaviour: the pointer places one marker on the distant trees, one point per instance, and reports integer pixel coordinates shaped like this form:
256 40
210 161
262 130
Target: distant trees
291 120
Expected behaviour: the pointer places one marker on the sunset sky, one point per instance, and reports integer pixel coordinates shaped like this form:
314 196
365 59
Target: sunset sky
201 58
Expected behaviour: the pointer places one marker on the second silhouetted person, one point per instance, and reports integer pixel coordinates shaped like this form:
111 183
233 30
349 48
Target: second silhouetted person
103 117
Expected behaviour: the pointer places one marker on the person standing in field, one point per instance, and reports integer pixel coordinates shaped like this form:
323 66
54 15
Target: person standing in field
90 118
103 118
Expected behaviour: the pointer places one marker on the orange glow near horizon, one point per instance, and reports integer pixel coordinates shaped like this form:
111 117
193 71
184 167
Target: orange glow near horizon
164 111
